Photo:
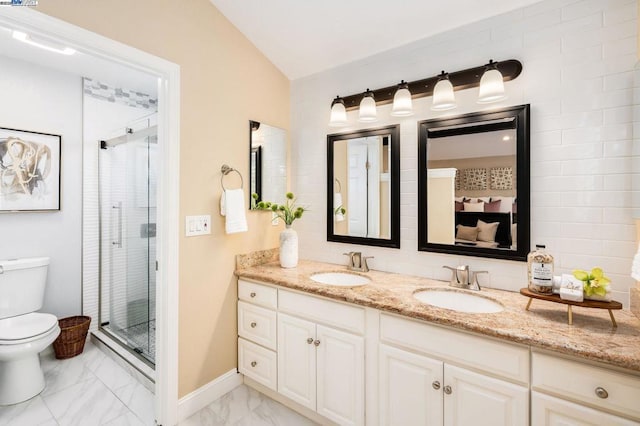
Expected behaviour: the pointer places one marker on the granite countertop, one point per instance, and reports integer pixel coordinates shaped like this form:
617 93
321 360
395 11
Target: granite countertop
591 336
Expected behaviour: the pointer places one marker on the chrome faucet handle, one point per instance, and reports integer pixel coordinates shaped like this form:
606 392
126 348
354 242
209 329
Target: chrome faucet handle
365 265
474 284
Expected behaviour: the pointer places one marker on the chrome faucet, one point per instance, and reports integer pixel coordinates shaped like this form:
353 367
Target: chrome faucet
357 262
462 277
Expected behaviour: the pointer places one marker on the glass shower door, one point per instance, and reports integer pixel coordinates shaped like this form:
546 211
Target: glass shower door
128 249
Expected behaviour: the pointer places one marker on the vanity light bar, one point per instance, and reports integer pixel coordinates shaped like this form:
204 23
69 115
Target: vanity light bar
461 80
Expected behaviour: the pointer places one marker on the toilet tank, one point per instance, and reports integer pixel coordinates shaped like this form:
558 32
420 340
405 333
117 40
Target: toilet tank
22 284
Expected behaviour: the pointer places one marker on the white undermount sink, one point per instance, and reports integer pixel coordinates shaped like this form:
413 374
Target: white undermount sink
340 279
458 301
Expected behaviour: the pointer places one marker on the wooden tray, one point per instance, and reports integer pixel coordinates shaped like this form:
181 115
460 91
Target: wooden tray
613 305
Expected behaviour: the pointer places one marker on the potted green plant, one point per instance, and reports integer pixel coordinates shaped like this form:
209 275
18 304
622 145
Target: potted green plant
288 213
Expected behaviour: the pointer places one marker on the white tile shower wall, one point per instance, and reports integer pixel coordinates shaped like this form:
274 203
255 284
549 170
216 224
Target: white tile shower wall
578 59
102 120
43 100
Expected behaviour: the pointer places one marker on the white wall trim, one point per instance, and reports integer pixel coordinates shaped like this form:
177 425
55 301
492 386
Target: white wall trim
191 403
168 73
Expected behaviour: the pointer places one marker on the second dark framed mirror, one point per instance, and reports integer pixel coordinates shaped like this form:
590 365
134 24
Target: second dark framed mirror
363 187
473 184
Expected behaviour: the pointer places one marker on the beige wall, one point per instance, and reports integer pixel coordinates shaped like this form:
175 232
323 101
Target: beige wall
225 82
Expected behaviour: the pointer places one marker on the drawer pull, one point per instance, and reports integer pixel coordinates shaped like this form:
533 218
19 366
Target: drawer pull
253 294
317 343
253 325
436 385
310 340
602 393
447 390
254 363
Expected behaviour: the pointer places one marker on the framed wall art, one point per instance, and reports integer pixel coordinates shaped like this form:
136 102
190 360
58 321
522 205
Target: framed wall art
29 171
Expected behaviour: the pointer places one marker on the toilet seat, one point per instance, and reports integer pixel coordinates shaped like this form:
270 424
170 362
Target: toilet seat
25 328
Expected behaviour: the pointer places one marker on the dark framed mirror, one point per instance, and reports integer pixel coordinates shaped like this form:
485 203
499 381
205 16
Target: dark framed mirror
363 187
473 184
267 163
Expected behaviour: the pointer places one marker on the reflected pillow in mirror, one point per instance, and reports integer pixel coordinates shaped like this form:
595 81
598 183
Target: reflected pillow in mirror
492 206
459 206
474 207
469 233
487 231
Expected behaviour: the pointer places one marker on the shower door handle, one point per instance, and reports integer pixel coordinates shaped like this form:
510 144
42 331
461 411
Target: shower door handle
118 243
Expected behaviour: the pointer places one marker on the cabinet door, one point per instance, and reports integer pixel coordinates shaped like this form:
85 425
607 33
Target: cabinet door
340 376
549 411
410 388
478 400
297 360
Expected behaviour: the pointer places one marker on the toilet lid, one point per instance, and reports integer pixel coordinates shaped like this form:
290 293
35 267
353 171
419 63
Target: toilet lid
26 326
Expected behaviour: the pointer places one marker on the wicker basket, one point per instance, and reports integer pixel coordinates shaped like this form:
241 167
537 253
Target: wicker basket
73 334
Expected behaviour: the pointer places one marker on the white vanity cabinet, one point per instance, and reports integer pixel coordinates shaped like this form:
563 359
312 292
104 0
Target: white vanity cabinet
420 385
308 349
563 391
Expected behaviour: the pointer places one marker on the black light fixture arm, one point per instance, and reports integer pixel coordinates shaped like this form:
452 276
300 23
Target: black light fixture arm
461 80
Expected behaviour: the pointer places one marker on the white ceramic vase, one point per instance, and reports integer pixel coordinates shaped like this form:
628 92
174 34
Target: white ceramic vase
289 248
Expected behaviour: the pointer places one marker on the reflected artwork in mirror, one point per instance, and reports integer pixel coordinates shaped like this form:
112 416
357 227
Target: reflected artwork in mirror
267 163
363 187
473 184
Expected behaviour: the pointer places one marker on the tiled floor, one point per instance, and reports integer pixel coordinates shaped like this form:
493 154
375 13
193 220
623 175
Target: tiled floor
91 389
244 406
141 336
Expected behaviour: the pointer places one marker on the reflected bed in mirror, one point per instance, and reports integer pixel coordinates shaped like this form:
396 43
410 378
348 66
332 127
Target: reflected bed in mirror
473 184
267 163
363 187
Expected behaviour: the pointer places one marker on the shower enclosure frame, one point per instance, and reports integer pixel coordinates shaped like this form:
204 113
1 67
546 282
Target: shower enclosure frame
168 74
128 136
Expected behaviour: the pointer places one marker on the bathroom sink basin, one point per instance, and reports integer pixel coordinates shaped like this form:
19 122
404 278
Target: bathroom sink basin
458 301
340 279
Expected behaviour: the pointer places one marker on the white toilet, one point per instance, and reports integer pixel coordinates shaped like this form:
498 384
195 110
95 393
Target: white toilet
24 333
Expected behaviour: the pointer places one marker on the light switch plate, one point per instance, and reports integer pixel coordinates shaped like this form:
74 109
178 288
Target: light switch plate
197 225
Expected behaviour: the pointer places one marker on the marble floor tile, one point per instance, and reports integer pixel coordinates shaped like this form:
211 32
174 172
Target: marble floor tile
92 356
127 419
139 400
244 406
33 412
112 374
60 374
84 404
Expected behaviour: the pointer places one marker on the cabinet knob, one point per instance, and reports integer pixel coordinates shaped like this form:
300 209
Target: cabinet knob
317 343
253 325
436 385
447 390
254 363
310 340
602 393
253 294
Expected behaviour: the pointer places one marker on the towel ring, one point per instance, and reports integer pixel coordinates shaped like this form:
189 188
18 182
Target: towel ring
225 169
339 185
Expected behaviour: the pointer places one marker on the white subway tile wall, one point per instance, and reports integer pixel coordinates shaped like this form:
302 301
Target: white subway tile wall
579 78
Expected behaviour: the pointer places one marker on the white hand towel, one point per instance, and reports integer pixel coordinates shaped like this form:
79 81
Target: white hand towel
337 203
232 208
571 288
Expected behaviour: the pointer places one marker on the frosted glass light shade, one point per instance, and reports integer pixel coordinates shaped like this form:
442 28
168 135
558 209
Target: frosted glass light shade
338 114
402 104
491 87
368 112
443 97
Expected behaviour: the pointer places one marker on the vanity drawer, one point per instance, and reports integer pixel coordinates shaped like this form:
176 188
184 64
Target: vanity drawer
258 294
584 383
257 363
257 324
346 317
475 352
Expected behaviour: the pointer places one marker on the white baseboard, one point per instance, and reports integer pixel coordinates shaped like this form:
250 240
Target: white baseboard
190 404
